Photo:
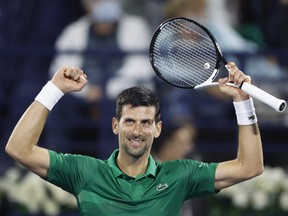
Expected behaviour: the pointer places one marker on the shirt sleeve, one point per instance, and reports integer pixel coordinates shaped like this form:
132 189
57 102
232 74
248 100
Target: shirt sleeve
67 171
199 178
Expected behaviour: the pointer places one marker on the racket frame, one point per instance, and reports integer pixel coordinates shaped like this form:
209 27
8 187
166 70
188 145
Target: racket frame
220 58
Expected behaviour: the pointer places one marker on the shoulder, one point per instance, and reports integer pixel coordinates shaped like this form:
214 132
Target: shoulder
130 23
133 20
187 165
74 33
81 23
77 160
133 33
180 162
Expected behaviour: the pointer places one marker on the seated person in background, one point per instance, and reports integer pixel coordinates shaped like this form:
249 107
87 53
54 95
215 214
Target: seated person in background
106 28
218 22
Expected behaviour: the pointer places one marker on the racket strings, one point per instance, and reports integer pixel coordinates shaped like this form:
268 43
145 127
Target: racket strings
166 64
208 47
180 48
177 70
188 61
197 54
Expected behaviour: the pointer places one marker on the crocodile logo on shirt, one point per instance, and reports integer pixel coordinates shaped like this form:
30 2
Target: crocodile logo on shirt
203 164
161 187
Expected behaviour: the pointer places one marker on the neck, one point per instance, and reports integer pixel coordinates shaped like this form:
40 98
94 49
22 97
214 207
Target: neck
132 166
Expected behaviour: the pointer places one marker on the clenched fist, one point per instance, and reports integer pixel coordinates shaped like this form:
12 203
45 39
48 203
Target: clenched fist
69 79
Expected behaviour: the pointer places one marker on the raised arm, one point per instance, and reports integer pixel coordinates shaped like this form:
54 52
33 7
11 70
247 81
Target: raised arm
22 144
249 161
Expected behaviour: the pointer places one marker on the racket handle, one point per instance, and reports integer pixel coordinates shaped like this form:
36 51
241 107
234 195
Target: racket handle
278 104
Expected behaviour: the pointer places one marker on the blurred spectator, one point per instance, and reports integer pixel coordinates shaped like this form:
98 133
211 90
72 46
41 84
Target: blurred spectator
151 10
213 15
106 29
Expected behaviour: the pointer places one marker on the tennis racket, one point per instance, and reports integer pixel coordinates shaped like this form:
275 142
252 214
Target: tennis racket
185 54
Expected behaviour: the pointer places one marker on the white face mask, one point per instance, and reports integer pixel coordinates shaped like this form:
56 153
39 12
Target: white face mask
106 11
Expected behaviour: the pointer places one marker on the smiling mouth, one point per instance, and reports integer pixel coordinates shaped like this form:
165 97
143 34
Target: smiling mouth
135 142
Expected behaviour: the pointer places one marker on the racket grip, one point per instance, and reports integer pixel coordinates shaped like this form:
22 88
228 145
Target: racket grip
278 104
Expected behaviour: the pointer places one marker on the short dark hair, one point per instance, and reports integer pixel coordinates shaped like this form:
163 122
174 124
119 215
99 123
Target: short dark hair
135 97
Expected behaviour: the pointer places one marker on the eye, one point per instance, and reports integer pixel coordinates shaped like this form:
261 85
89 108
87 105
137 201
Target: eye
129 122
147 123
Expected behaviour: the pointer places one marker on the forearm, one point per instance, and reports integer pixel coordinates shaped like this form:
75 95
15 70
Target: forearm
27 132
249 161
250 154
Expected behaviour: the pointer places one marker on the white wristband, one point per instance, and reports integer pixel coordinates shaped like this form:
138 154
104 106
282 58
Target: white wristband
245 112
49 95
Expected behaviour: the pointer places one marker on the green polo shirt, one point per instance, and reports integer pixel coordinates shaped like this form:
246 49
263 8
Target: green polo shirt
101 188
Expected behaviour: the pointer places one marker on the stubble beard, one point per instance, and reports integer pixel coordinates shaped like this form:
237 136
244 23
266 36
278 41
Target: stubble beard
136 153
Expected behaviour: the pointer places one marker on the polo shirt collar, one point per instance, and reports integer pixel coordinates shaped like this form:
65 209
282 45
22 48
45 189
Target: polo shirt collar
151 170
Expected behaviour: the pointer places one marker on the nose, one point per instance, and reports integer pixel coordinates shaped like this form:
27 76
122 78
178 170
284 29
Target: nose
137 130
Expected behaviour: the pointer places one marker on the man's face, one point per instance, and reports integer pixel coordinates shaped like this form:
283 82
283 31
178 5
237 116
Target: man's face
136 130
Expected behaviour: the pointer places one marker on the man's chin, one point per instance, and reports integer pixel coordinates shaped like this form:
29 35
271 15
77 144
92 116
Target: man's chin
135 152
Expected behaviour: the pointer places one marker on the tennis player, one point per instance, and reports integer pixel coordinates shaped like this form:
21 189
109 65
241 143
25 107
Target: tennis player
130 182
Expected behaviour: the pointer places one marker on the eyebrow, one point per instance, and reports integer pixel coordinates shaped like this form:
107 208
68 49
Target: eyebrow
142 120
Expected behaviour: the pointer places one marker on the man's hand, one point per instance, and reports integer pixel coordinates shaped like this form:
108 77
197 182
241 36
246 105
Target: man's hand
69 79
236 77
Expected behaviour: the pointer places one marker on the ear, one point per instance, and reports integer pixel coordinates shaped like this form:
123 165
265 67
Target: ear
158 129
115 126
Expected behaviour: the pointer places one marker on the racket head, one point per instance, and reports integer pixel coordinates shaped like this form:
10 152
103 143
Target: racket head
184 53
